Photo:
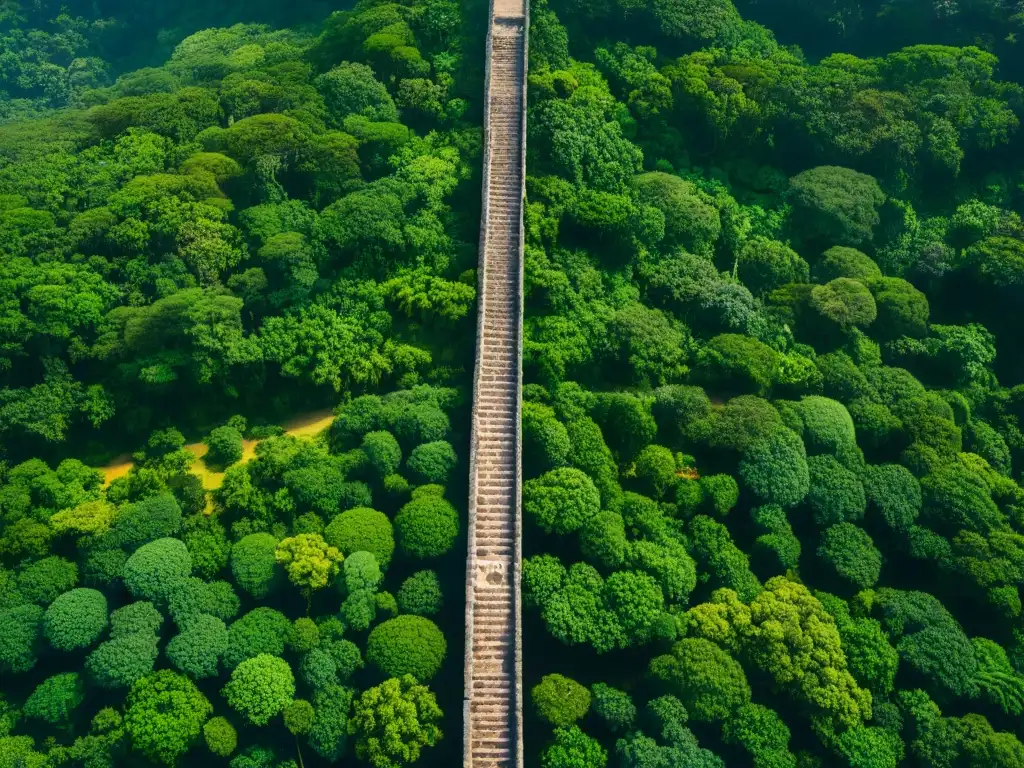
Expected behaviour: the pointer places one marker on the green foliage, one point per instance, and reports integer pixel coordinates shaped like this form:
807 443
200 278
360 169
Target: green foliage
55 699
196 651
225 446
164 716
836 494
776 468
432 462
426 527
19 642
572 747
614 707
835 206
394 721
75 619
850 551
421 594
155 569
561 501
407 645
220 736
560 701
707 680
260 688
362 530
261 630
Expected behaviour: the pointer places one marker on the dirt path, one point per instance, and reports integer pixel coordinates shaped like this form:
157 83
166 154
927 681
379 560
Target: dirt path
306 425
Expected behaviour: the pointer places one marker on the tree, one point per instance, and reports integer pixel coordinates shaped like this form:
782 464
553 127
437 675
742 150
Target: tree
351 89
260 688
838 261
43 580
572 747
432 462
708 681
20 640
75 619
614 707
560 701
220 736
764 265
224 447
836 494
852 554
309 561
124 659
164 715
894 493
383 452
261 630
393 721
197 650
156 568
362 530
329 734
561 500
407 645
421 594
253 558
426 527
776 468
846 302
835 206
763 734
55 699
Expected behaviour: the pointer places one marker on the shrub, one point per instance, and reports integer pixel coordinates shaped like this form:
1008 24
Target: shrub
362 530
421 594
835 205
383 452
426 527
852 554
260 688
310 562
147 520
572 747
776 468
154 569
253 563
561 501
560 701
405 645
220 736
303 636
75 619
43 580
432 462
225 446
545 439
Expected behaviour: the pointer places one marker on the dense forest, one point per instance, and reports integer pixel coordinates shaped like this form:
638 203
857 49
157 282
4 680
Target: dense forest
773 419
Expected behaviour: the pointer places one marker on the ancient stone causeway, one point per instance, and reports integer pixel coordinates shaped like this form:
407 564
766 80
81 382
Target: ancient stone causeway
493 708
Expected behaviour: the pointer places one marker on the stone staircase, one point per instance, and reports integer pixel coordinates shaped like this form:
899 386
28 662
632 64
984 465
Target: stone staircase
493 693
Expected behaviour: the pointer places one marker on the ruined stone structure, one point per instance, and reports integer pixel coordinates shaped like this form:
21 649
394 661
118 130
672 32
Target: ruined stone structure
493 712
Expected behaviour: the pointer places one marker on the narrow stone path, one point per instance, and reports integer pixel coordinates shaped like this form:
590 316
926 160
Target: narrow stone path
493 715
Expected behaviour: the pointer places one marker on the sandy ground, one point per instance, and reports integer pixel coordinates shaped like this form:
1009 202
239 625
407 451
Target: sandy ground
305 425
